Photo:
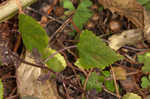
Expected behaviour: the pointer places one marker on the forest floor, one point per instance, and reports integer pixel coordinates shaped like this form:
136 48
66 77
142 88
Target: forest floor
122 25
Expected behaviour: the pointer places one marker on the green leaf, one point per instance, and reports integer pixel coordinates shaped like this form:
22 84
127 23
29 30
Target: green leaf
149 77
142 2
106 73
68 4
77 63
101 78
109 84
100 8
93 52
147 6
93 82
131 96
145 82
1 90
82 14
145 59
34 36
145 3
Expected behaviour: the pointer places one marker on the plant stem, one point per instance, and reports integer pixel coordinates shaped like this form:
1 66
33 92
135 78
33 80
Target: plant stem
9 8
61 50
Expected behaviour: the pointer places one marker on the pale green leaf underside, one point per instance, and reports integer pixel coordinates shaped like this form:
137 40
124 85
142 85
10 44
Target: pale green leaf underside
34 36
57 63
131 96
93 52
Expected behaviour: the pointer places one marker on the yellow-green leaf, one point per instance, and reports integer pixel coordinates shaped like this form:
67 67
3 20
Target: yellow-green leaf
131 96
1 90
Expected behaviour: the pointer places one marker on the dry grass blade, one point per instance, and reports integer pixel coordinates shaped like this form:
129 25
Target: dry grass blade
115 82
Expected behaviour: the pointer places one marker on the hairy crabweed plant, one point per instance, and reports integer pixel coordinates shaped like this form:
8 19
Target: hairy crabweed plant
93 52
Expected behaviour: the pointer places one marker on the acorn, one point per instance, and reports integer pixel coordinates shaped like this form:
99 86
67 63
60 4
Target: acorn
115 26
95 17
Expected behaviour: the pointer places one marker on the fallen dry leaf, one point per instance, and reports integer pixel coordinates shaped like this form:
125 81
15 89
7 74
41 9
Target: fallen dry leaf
120 73
29 85
129 84
128 8
147 25
129 37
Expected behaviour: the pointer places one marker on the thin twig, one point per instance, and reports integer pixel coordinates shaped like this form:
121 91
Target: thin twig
18 42
67 93
133 73
75 27
61 50
86 80
73 68
35 65
61 28
50 17
135 49
130 59
12 97
43 67
13 92
39 66
115 82
69 51
109 92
